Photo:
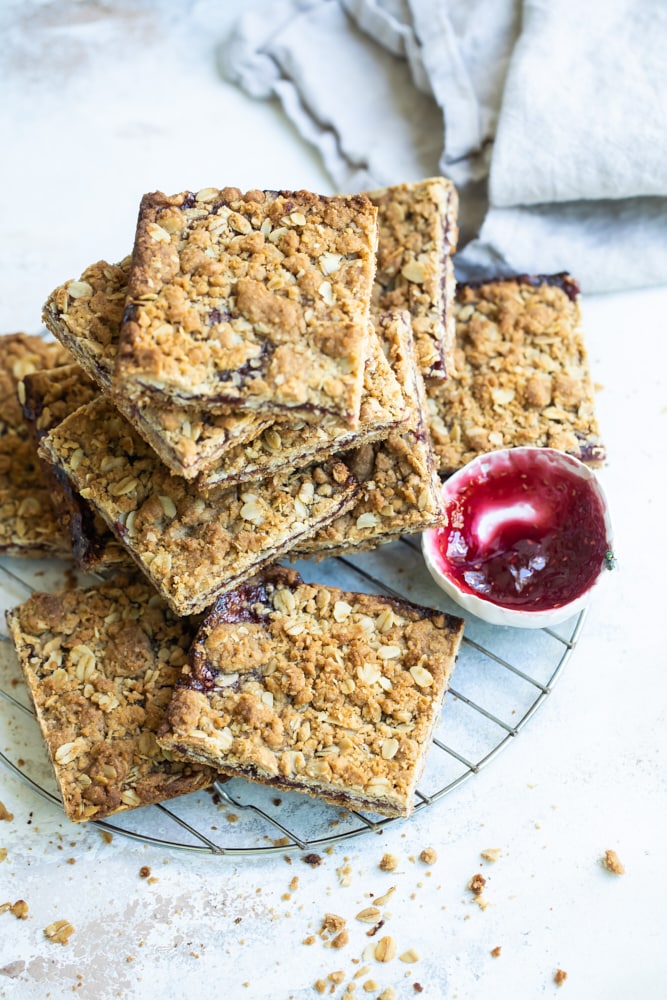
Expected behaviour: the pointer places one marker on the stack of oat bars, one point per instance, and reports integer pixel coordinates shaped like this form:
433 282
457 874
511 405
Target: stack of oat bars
270 375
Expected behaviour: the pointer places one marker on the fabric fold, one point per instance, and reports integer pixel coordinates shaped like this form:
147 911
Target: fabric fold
550 117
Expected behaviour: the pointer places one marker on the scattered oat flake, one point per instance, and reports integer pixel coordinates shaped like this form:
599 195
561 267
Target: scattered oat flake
612 863
491 854
388 863
3 853
560 975
385 949
409 956
320 985
369 915
59 931
428 856
5 813
388 994
383 900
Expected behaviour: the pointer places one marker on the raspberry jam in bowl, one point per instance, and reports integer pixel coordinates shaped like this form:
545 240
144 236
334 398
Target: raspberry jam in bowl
527 540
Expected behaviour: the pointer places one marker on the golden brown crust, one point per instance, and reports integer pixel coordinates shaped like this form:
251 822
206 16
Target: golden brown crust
314 689
50 396
85 315
521 375
28 525
400 489
192 546
100 665
258 301
286 446
417 226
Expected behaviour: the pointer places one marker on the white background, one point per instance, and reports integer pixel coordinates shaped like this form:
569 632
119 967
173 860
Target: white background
96 108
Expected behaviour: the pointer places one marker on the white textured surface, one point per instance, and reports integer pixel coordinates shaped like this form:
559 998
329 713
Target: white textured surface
92 116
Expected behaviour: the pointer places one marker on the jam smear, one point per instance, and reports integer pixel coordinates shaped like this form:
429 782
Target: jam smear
524 533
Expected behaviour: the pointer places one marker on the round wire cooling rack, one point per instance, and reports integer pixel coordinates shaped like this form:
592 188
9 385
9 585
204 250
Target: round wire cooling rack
502 677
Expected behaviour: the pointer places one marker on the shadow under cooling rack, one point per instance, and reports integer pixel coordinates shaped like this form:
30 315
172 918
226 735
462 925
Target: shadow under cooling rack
502 677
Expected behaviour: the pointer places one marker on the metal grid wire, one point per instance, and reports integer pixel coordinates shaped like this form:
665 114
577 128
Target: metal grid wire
502 677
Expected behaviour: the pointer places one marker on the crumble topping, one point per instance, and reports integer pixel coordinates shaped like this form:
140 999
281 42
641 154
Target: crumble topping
192 547
86 315
49 396
417 233
259 300
28 525
315 689
521 375
291 445
100 665
400 489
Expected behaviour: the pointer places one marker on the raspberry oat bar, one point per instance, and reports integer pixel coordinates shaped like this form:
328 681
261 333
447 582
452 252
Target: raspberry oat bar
521 375
101 665
418 232
28 524
50 396
191 546
258 300
400 489
314 689
285 446
85 315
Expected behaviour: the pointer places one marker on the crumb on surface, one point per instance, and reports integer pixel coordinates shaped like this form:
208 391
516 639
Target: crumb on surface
560 976
612 863
476 884
388 863
491 854
495 952
428 856
5 813
332 922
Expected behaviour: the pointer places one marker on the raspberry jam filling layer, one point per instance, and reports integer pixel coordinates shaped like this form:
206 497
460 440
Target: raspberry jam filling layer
523 532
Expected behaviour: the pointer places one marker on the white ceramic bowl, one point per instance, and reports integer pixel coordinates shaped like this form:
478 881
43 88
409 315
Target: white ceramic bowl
528 541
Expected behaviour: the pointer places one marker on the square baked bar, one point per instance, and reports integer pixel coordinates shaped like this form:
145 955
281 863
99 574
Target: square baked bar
85 315
101 665
417 233
191 546
317 690
258 300
293 444
400 489
28 522
50 396
521 374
